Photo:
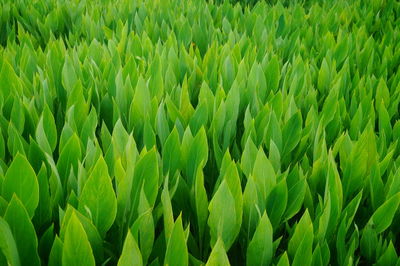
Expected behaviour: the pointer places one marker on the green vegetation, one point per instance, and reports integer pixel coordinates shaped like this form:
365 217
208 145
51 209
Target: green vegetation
195 132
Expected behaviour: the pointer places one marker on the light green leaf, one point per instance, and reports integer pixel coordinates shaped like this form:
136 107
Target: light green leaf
130 252
43 213
264 175
260 249
272 74
177 253
383 216
291 133
17 115
92 233
69 77
46 131
303 254
8 246
389 257
69 157
251 209
303 229
284 260
10 83
76 249
21 180
143 228
171 153
201 202
296 196
248 157
198 153
323 77
55 257
276 203
146 175
168 215
222 220
218 255
23 231
98 197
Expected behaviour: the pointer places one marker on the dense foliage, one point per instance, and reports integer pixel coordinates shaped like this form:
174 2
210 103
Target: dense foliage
190 132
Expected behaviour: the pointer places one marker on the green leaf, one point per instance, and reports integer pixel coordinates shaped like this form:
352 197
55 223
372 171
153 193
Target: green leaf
69 157
323 77
272 74
69 77
43 212
362 157
199 118
304 229
382 94
303 254
251 209
140 106
124 183
3 206
228 73
185 34
15 142
177 253
248 157
8 246
222 220
275 156
149 138
369 243
162 127
291 133
146 175
2 145
92 233
295 200
376 188
324 218
276 203
232 178
171 153
18 115
23 231
89 127
260 249
284 260
143 227
201 202
46 131
46 241
317 257
198 154
218 255
98 197
333 193
9 80
389 257
130 252
264 175
76 249
168 215
21 180
55 257
383 216
36 156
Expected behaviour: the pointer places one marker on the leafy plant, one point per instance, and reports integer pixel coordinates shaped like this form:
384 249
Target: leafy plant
199 132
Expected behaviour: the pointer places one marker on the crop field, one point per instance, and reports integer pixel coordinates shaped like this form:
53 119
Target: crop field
197 132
